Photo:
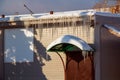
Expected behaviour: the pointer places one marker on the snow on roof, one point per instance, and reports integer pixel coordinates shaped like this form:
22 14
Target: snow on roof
76 13
47 15
107 14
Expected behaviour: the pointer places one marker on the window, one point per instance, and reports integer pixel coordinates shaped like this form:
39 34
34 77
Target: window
18 45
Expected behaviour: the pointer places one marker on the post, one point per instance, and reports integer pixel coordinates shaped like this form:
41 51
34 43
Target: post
63 64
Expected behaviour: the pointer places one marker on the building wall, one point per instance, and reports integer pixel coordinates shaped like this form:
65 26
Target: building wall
46 65
107 49
51 34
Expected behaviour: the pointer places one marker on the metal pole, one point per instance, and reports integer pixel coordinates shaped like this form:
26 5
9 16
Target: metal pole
63 65
28 9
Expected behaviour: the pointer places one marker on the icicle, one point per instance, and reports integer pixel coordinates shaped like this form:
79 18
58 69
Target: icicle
87 54
40 30
91 53
76 26
54 28
79 27
83 27
88 29
84 55
61 25
68 24
52 31
27 24
73 25
47 22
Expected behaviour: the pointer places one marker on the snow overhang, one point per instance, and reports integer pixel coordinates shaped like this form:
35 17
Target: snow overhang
107 14
112 29
26 17
69 43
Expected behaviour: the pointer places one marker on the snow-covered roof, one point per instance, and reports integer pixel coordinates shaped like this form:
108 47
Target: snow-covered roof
76 13
47 15
69 39
107 14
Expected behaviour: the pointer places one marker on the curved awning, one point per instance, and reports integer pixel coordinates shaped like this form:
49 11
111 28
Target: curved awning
69 43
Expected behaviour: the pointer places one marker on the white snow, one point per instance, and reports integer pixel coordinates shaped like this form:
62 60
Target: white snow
47 15
107 14
82 45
